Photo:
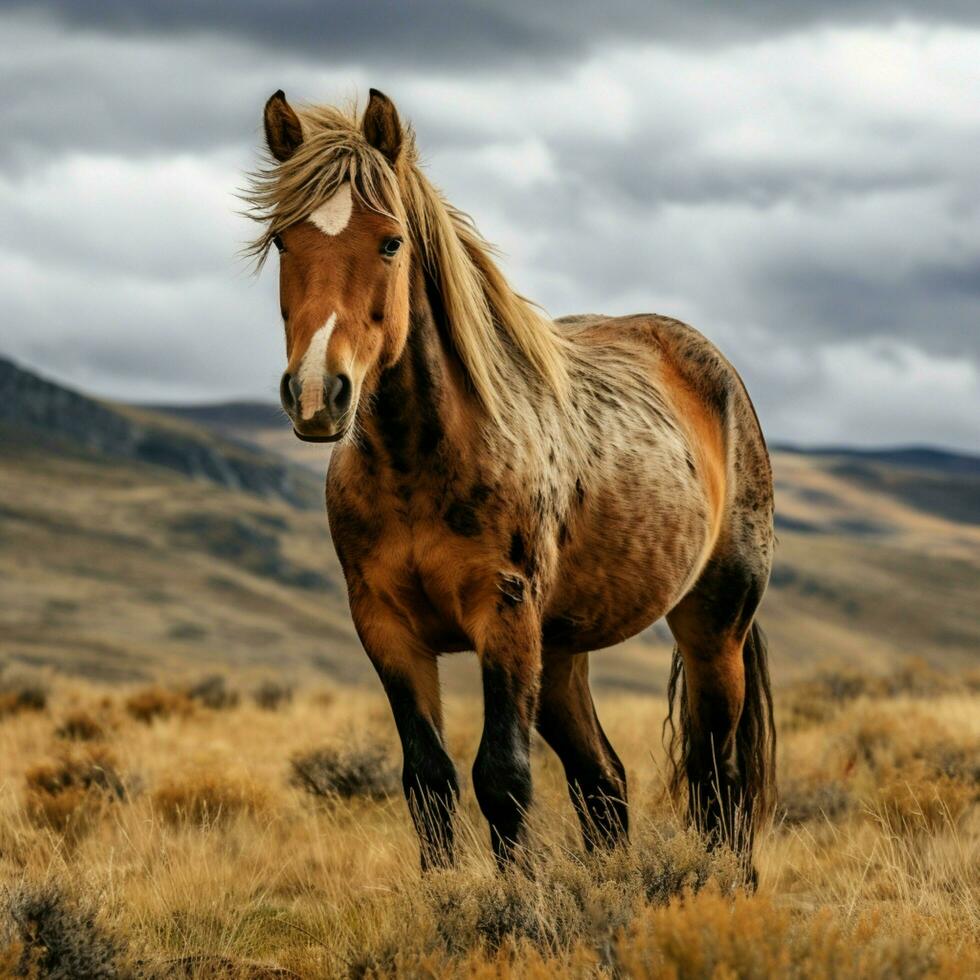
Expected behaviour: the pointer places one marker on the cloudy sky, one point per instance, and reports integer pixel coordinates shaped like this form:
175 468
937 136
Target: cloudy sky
799 180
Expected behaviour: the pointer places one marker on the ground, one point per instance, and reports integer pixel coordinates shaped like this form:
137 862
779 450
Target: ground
147 831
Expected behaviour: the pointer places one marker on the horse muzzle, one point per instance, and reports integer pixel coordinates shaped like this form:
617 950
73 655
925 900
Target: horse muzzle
320 411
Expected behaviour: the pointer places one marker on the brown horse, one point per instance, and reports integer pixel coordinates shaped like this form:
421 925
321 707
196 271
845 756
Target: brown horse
528 489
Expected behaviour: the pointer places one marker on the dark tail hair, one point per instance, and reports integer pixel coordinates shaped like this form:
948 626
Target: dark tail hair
755 738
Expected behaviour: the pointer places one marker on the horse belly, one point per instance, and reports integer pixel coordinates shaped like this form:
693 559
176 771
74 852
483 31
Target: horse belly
631 556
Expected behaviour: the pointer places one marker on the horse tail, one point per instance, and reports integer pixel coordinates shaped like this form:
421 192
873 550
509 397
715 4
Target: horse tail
755 737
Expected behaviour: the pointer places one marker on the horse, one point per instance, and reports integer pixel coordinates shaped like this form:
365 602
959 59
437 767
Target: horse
528 489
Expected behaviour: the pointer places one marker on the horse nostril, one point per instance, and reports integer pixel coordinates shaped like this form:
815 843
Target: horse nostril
338 392
288 392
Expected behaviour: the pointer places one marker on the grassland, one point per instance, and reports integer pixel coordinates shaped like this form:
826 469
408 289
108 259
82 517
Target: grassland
259 833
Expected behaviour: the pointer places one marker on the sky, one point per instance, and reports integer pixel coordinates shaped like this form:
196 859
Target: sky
798 180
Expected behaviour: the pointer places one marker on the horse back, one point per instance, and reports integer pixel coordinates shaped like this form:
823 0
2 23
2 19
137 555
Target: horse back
704 397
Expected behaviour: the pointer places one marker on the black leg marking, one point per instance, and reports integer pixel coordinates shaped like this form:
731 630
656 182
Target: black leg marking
568 722
428 775
502 771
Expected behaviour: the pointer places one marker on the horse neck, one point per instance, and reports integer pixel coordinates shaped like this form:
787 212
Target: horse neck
420 408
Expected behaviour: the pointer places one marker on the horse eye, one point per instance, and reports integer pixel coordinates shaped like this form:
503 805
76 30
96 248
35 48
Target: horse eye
277 241
391 246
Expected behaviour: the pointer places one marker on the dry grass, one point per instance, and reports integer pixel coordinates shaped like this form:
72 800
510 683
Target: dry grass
179 840
157 702
206 798
81 726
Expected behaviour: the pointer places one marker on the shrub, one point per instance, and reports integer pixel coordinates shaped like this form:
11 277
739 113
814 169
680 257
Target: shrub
20 691
272 695
204 799
802 800
915 677
70 794
80 726
156 702
59 938
346 772
819 698
213 692
93 770
567 906
711 935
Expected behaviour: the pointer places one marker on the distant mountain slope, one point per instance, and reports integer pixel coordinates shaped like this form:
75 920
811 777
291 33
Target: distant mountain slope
258 424
937 482
228 415
122 570
37 410
908 457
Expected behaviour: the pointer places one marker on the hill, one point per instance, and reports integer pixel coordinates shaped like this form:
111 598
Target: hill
137 542
134 545
40 413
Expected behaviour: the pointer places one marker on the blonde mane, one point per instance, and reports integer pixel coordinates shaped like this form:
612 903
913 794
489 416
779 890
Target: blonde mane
503 341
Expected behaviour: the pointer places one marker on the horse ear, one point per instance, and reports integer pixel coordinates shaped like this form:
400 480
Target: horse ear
283 131
382 128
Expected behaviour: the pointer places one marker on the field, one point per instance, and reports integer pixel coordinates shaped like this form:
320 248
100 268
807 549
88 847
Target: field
207 831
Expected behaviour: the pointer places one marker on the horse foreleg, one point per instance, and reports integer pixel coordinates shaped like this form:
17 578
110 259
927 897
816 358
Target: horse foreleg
410 676
510 659
568 722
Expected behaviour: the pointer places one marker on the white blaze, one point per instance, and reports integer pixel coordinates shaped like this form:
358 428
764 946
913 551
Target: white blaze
332 216
313 368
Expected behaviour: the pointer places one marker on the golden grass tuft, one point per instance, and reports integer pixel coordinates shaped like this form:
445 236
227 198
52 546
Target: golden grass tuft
157 702
69 795
917 801
206 799
752 936
81 726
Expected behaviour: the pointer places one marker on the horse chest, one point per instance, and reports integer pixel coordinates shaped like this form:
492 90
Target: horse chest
402 551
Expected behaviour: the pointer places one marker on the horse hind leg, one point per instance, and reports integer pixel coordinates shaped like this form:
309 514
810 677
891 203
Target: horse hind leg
568 722
724 745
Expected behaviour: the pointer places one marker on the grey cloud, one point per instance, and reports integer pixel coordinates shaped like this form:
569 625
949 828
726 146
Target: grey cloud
478 35
143 340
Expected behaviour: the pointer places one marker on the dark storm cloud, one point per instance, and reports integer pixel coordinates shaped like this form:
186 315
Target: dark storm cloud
477 34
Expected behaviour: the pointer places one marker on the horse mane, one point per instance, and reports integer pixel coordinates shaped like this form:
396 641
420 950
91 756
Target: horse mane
503 341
